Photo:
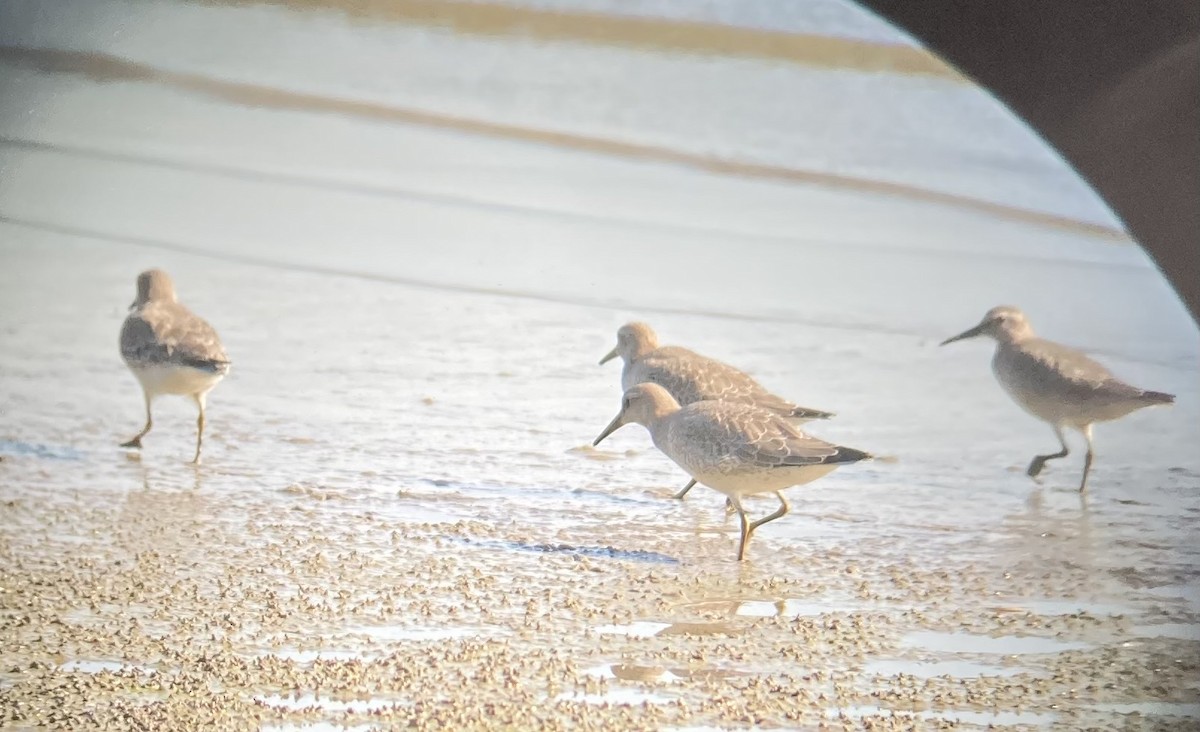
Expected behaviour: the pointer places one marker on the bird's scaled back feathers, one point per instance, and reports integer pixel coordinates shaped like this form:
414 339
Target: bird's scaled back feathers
1045 366
165 332
690 378
712 436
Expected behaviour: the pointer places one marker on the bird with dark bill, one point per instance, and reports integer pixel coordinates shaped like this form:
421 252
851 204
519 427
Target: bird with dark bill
1059 385
690 377
737 449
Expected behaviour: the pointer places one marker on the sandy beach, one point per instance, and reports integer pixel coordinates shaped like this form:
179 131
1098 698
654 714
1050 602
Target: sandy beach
400 521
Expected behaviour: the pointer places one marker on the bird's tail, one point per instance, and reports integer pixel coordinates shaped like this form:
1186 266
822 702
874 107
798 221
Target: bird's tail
850 455
1157 397
213 365
806 413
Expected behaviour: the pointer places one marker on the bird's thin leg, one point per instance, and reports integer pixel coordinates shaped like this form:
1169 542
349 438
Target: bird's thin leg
1087 460
745 537
199 427
685 490
779 512
136 441
1039 461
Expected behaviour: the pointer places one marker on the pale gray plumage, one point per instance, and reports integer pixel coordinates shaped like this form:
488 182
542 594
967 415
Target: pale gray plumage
737 449
170 349
1056 384
690 377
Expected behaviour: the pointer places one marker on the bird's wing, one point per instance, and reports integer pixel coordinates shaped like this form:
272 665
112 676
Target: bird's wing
749 436
691 377
1048 362
170 333
785 408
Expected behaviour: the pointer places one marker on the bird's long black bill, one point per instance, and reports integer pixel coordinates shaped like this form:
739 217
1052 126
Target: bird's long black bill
964 335
612 427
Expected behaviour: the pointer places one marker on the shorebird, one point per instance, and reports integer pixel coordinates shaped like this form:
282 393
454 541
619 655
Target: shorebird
170 349
690 377
1056 384
737 449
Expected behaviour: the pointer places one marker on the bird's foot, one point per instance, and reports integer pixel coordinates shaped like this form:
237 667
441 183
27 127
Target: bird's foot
135 443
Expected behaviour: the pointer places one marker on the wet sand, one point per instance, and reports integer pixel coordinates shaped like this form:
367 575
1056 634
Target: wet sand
405 531
169 607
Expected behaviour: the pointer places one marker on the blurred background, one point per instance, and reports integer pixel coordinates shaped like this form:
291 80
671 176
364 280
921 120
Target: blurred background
417 225
412 139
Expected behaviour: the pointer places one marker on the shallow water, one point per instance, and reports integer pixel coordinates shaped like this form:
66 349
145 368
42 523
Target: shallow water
398 468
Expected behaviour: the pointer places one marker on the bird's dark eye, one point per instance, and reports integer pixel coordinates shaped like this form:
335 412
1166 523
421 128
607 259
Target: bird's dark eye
625 404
